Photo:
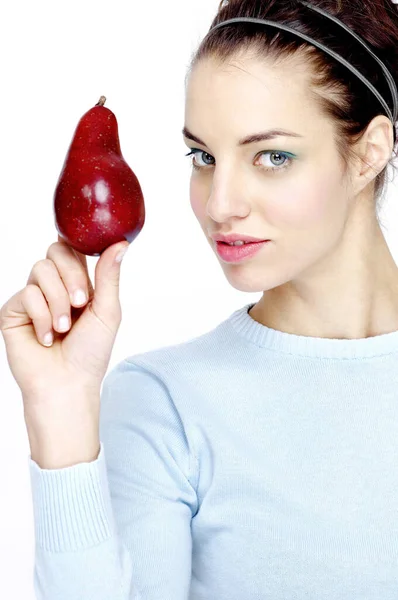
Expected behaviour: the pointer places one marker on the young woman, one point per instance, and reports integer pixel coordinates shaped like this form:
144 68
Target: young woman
260 459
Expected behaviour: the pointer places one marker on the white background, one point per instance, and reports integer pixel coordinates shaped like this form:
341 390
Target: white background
58 58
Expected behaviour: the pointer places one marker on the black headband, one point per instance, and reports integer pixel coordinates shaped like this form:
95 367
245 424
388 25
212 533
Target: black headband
390 80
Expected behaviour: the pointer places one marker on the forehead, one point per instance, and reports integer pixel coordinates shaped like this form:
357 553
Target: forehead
251 91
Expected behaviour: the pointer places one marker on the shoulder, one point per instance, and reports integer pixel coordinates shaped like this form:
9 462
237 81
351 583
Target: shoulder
175 359
182 372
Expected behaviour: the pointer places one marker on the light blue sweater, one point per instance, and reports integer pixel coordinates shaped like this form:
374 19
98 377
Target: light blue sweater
244 464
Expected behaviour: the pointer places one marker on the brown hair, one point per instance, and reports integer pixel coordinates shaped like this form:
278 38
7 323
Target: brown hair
351 105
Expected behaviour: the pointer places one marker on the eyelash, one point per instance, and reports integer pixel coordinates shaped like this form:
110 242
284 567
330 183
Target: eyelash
286 165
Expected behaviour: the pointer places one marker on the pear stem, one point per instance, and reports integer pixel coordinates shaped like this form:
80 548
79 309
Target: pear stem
101 101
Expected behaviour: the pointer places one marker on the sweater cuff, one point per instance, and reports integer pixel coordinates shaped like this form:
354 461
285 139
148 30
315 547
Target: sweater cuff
72 506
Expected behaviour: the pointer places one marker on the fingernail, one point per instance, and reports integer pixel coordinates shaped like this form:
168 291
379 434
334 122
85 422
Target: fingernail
48 339
63 323
120 256
79 297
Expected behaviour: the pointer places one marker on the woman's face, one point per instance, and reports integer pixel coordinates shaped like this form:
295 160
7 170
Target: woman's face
290 190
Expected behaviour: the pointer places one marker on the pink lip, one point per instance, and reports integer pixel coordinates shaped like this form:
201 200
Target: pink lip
235 254
235 237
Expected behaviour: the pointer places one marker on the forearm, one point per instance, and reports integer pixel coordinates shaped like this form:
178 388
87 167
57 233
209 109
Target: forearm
78 553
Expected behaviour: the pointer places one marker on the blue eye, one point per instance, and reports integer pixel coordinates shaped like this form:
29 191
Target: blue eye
194 152
287 157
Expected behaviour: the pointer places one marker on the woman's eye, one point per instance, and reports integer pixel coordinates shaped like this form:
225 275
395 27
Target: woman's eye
194 152
276 161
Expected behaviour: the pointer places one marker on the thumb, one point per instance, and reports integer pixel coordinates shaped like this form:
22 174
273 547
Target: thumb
107 278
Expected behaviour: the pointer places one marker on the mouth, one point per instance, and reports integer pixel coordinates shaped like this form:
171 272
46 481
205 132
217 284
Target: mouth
236 254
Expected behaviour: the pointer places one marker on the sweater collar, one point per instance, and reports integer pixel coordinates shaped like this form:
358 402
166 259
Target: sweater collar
288 343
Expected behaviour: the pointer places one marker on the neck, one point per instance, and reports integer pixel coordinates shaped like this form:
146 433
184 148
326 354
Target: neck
351 293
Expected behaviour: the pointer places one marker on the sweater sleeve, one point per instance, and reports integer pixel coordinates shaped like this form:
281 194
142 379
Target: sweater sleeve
119 528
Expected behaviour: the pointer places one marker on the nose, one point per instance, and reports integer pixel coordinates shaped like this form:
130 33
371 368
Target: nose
227 201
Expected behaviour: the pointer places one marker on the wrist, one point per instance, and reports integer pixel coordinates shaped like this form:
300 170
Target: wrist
63 432
54 455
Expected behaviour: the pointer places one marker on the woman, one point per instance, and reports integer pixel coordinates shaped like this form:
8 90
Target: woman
258 460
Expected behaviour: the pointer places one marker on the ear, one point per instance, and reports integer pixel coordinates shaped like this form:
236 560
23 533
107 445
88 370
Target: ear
374 151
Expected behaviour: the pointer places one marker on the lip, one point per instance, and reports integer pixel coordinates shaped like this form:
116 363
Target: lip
235 237
237 254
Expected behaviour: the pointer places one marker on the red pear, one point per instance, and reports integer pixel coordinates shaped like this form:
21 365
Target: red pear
98 200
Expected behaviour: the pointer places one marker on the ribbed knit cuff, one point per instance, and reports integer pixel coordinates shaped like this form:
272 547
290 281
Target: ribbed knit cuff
72 506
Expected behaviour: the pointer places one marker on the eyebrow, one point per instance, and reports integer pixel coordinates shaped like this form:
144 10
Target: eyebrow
250 139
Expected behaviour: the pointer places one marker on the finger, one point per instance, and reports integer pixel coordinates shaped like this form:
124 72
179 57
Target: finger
46 276
36 307
73 273
106 303
28 306
79 255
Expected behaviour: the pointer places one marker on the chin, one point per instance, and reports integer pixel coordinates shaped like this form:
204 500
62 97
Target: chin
244 281
252 279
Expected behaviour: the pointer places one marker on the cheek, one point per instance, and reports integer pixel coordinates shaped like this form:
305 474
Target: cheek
197 202
309 205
